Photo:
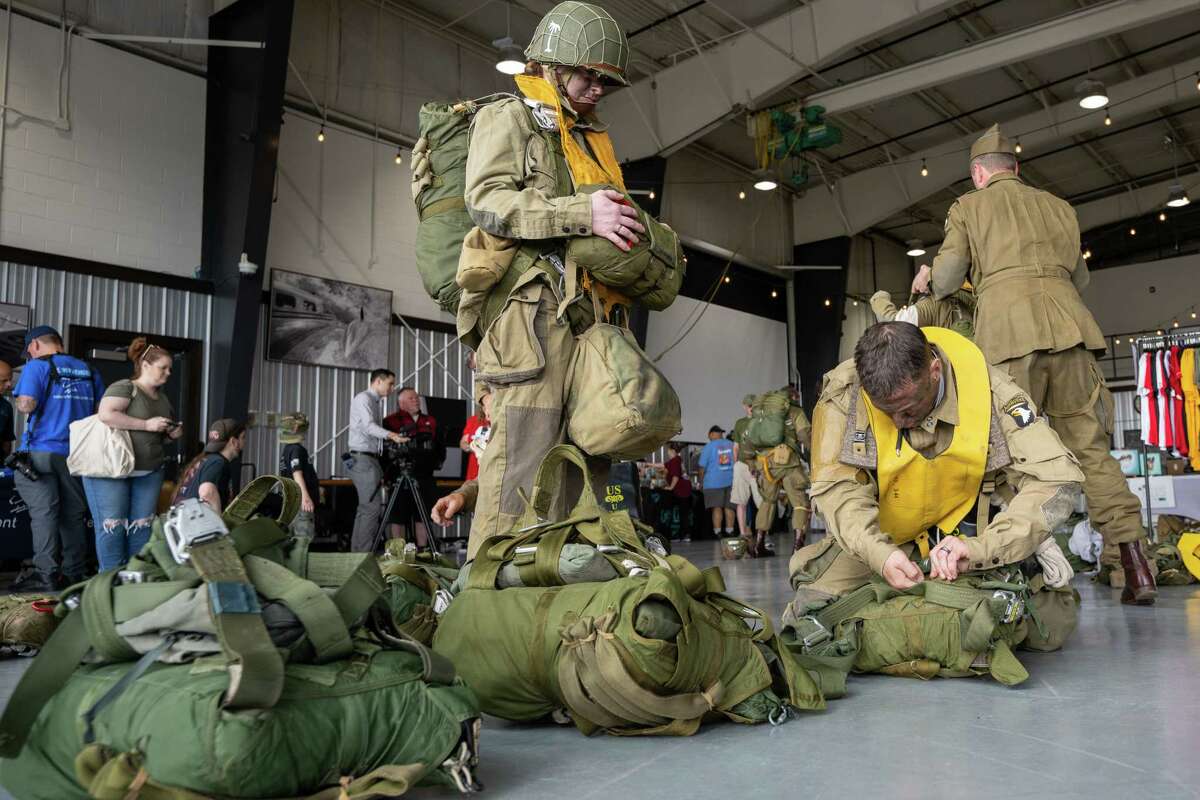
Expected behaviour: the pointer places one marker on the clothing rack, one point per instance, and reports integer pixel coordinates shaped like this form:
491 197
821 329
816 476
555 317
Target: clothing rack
1184 337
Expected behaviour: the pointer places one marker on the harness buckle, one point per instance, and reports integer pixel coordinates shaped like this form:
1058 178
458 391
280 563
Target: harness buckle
819 636
190 523
1014 606
441 601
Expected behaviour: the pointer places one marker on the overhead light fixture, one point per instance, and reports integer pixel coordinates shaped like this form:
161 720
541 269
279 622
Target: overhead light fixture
1107 120
1198 81
1018 147
764 181
399 156
727 279
924 169
1193 315
1132 231
321 134
1162 216
1175 324
1091 93
511 60
742 194
1178 197
828 302
1158 332
652 195
774 294
1087 254
914 248
1117 341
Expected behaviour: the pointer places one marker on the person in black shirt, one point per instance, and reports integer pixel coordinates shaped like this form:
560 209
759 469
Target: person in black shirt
294 464
7 435
208 476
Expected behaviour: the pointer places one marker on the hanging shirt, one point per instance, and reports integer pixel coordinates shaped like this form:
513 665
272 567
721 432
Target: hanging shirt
1178 432
1161 393
1145 393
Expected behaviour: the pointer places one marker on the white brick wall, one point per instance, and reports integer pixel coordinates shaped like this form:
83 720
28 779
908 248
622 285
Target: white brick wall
125 184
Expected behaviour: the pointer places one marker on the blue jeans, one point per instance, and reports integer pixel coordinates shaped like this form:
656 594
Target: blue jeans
123 510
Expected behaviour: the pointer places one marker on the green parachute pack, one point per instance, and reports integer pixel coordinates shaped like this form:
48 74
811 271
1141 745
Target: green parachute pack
216 620
950 629
638 655
767 427
419 586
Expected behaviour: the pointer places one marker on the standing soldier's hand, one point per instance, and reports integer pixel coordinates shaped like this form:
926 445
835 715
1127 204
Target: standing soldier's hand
920 284
614 220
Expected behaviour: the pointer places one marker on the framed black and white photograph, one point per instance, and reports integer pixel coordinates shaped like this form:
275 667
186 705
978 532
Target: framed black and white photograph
14 322
328 323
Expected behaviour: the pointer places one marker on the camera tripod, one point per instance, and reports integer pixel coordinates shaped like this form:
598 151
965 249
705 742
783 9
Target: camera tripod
406 482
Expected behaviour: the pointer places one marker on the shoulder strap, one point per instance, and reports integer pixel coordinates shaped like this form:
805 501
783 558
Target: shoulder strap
242 508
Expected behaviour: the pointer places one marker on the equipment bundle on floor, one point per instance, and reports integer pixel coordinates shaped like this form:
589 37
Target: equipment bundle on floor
207 655
655 649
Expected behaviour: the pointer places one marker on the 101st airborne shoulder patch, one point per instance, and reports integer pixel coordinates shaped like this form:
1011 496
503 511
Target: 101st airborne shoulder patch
1019 409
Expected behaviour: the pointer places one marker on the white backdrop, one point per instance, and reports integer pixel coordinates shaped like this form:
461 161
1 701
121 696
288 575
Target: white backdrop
727 355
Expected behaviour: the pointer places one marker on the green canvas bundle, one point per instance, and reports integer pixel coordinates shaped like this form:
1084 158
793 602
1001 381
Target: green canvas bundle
418 586
650 272
591 543
1165 551
377 718
239 610
966 627
768 420
633 656
26 622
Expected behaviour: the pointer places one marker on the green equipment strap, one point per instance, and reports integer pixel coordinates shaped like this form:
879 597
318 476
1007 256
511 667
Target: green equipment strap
131 600
410 574
537 648
322 621
125 681
96 607
598 687
697 582
256 668
241 509
442 206
547 557
359 591
47 674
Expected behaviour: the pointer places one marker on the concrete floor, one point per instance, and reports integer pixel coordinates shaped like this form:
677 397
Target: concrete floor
1114 715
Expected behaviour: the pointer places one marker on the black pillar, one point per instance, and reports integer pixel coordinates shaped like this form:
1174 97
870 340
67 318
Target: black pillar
241 143
818 324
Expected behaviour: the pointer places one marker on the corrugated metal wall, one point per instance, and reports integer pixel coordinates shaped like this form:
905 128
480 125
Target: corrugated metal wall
432 362
63 299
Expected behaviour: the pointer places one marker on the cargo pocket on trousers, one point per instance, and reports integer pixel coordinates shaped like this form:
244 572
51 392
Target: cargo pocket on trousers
1105 404
511 351
810 563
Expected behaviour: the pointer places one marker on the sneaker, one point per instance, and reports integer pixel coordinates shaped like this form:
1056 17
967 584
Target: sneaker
32 582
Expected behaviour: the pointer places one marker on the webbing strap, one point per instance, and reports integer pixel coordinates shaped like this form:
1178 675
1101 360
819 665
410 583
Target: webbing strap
598 687
125 681
698 583
256 671
546 558
361 589
41 681
96 608
442 206
537 648
242 507
322 621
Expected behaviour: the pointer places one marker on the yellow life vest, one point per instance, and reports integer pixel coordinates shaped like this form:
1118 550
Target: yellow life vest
585 170
915 492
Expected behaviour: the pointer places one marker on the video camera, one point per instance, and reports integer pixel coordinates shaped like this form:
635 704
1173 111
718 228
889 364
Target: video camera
21 461
421 453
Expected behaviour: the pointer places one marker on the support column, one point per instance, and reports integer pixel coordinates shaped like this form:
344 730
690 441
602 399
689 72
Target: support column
241 143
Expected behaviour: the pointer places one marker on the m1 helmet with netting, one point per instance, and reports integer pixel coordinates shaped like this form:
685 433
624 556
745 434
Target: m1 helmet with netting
581 35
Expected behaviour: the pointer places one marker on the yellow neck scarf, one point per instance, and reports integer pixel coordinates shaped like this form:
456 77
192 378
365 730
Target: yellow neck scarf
585 170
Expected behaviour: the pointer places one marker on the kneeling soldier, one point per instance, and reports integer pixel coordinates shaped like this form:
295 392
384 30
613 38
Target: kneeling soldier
906 437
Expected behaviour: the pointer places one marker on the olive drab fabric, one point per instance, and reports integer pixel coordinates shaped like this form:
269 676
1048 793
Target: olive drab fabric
768 420
650 272
780 468
166 735
956 312
418 584
1019 246
589 542
581 35
619 405
632 656
26 622
992 141
1026 460
917 493
439 163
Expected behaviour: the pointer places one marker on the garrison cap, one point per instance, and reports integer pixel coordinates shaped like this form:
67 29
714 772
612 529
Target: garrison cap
292 427
992 141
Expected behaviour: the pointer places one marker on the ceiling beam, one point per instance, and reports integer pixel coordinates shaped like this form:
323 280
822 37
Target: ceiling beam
1080 26
875 194
661 114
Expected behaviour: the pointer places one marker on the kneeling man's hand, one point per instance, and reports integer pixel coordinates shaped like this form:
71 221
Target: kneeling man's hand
948 559
900 572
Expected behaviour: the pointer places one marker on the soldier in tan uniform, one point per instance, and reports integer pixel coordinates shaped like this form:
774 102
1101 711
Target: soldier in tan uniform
936 427
526 160
956 312
1020 248
781 469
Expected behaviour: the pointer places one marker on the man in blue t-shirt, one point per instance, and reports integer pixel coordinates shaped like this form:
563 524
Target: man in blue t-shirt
716 474
54 390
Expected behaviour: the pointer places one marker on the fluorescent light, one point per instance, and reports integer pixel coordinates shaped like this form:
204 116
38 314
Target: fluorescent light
1092 94
1178 197
765 185
915 248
